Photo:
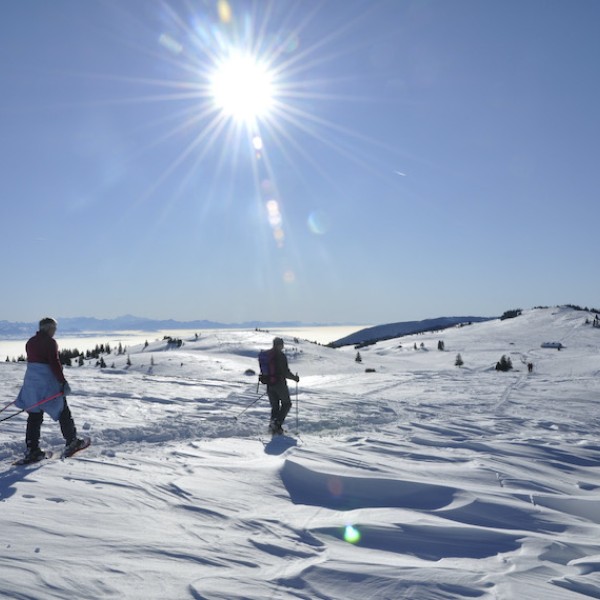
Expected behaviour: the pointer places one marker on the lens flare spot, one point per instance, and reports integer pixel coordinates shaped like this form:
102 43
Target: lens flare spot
172 45
289 276
292 43
267 187
224 11
351 534
318 222
274 215
257 142
335 486
279 236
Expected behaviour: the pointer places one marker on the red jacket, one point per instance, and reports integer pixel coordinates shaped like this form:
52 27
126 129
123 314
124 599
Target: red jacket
42 348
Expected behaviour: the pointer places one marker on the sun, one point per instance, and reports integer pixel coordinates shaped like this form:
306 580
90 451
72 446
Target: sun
242 88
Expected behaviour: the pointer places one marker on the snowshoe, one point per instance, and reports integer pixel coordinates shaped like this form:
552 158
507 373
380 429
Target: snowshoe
32 456
275 428
75 446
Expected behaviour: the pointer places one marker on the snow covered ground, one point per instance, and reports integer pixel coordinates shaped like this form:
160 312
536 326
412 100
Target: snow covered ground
420 480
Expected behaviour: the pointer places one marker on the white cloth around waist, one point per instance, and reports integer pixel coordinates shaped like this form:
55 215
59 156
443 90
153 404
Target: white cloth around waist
40 383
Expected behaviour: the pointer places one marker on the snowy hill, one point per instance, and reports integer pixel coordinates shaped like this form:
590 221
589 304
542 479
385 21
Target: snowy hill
421 480
371 335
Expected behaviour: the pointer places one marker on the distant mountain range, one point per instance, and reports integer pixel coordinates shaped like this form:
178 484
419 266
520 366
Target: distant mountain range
131 323
371 335
76 325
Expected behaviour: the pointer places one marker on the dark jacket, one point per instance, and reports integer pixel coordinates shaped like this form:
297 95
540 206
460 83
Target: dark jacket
282 369
42 348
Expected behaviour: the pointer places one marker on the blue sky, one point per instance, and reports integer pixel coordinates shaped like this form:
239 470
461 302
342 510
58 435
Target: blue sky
418 159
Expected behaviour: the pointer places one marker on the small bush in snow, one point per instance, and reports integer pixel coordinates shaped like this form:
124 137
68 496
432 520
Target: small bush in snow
504 364
511 314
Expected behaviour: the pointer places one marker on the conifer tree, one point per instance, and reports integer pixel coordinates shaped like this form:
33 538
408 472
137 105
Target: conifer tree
504 364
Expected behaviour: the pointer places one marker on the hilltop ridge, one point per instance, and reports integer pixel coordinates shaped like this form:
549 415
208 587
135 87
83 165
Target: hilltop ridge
371 335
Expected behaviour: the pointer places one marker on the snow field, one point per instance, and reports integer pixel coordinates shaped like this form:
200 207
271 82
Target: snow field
422 480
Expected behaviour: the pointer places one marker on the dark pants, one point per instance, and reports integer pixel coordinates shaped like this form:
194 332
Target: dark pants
34 425
279 397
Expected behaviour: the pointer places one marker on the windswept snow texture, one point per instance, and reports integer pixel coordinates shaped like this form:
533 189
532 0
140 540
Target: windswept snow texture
421 480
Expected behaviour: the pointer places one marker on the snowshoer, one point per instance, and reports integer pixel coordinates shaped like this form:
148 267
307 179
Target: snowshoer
44 378
277 390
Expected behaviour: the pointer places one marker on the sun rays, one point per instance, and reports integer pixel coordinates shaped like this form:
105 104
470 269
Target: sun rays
242 86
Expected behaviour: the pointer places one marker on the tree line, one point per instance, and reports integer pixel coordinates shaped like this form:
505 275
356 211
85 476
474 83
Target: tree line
67 355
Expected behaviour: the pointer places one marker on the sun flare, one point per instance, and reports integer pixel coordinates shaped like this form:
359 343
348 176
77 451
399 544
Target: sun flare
242 88
247 88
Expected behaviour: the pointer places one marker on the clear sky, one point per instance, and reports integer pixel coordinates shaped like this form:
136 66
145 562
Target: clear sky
335 161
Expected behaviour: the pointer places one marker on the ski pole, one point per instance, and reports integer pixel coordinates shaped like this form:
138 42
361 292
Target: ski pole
296 403
9 404
30 407
249 405
11 416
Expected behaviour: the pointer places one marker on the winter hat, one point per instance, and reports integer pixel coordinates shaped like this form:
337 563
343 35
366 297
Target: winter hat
278 342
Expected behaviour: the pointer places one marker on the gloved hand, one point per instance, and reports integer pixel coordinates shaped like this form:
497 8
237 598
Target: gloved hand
297 378
66 389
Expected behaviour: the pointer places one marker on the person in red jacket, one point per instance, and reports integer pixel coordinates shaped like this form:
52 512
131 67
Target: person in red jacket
44 378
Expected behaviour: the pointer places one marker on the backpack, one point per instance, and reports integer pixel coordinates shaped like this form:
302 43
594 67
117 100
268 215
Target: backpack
266 362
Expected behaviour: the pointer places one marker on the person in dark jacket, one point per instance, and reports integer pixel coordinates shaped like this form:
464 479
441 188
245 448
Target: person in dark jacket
44 378
278 392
